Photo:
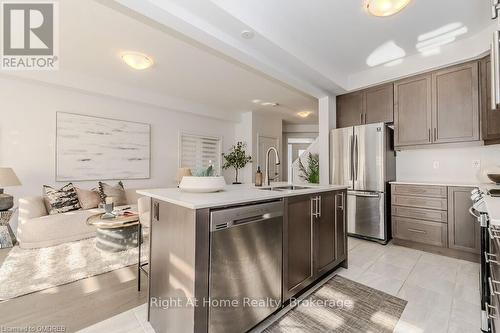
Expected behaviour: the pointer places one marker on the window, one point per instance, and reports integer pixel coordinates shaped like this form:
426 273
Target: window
199 151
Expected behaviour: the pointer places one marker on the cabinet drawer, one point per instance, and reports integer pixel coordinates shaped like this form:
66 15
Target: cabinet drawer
420 190
420 231
421 214
420 202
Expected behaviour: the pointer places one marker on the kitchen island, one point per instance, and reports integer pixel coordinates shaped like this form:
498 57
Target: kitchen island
225 261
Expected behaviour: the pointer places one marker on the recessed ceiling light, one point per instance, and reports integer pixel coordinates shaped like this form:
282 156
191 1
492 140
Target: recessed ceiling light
247 34
385 7
256 101
304 114
137 60
269 104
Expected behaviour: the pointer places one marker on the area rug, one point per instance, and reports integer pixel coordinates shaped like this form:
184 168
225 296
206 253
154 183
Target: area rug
342 306
28 270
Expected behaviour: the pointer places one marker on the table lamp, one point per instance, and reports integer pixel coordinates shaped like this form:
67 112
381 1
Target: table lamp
7 178
181 172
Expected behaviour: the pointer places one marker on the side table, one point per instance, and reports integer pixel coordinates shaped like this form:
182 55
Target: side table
7 237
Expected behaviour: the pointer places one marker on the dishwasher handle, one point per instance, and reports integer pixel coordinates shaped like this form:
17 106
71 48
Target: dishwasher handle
233 217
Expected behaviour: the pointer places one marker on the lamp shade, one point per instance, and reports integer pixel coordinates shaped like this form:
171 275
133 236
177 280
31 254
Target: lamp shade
181 172
8 178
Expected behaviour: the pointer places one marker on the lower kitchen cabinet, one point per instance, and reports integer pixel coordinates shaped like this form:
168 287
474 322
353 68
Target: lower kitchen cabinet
463 230
435 219
314 238
297 244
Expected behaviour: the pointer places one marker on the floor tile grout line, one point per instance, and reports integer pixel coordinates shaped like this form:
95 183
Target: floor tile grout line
412 269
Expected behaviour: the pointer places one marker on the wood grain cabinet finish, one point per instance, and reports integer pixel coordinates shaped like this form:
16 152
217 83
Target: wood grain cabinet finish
490 118
425 232
420 190
372 105
420 202
315 238
324 233
455 104
379 104
421 214
350 109
464 231
413 111
298 245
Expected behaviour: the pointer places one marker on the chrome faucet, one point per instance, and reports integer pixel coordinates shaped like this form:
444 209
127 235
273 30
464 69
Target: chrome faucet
277 158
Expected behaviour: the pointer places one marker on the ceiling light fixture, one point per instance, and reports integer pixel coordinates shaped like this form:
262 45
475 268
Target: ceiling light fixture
304 114
256 101
269 104
137 60
385 7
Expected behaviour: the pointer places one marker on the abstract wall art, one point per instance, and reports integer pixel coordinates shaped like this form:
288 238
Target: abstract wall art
94 148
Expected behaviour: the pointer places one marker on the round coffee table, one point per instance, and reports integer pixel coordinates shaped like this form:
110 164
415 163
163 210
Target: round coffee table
116 234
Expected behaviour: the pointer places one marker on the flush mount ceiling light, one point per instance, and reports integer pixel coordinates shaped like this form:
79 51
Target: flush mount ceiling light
304 114
385 7
269 104
137 60
247 34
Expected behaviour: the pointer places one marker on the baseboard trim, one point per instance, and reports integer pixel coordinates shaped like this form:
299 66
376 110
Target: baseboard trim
438 250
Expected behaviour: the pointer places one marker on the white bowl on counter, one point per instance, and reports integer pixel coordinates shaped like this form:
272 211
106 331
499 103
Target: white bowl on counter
202 184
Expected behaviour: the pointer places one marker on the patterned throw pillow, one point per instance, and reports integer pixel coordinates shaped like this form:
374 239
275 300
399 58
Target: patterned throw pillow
88 198
62 200
116 192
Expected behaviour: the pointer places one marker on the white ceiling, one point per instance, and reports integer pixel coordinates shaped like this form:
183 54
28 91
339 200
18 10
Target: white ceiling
93 35
339 36
330 46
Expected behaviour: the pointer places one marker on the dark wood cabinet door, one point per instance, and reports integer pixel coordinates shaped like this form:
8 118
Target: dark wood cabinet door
412 111
341 225
350 110
298 270
455 104
324 233
490 118
463 229
379 104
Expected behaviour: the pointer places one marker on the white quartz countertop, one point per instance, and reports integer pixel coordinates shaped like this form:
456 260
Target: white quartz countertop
231 195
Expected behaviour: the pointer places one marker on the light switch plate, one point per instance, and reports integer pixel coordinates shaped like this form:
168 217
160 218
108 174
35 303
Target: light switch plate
476 164
435 165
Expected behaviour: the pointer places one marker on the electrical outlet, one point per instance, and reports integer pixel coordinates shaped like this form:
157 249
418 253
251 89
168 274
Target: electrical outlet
435 164
476 164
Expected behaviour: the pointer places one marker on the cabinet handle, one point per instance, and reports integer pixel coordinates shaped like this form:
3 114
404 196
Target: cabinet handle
361 118
430 139
313 207
319 206
417 231
435 134
341 206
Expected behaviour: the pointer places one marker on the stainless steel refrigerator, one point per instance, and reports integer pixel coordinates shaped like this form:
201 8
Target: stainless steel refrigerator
363 158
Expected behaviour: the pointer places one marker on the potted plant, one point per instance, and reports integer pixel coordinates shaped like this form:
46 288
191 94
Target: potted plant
311 173
237 158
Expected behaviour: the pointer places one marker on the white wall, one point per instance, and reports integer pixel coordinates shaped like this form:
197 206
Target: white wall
455 164
28 123
270 125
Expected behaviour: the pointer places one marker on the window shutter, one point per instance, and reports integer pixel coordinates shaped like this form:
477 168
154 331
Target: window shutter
197 151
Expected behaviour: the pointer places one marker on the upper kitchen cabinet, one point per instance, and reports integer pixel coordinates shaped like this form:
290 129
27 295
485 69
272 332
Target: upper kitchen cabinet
379 104
350 109
490 118
455 104
373 105
413 111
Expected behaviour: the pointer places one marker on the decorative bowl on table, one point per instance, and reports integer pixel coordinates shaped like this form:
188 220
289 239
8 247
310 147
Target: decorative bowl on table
202 184
494 177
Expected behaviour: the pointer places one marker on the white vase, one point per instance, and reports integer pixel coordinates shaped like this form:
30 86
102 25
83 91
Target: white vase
202 184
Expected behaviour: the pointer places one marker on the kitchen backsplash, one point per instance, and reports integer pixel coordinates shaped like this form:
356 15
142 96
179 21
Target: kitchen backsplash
468 165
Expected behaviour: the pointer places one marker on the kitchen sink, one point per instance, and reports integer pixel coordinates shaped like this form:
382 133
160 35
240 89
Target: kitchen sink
285 188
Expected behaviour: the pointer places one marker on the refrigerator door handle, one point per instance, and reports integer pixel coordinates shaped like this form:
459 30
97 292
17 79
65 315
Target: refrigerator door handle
356 157
351 154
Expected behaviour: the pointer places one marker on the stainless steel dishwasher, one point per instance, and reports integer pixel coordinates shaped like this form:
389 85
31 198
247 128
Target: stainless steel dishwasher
246 245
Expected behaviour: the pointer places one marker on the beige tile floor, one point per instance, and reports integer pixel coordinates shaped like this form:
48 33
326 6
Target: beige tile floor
442 292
